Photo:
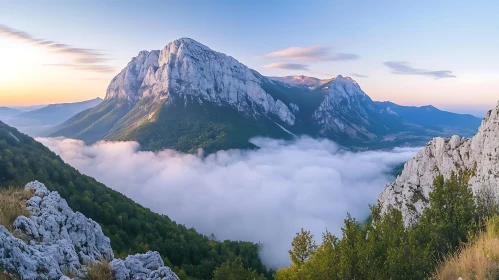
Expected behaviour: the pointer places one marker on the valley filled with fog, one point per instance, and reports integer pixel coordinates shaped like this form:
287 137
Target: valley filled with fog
264 195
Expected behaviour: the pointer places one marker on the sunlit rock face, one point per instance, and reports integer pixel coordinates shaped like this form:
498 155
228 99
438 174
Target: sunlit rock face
56 241
186 68
478 155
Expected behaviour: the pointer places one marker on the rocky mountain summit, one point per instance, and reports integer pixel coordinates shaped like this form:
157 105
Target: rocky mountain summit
477 156
55 242
186 68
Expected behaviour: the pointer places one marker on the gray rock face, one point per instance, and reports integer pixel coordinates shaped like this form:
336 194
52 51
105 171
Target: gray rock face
187 68
127 83
478 155
53 220
346 109
29 262
57 241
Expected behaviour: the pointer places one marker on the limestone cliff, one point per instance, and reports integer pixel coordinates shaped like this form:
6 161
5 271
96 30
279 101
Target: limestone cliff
478 155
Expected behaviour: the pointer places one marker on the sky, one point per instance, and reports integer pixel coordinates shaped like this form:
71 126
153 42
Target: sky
442 53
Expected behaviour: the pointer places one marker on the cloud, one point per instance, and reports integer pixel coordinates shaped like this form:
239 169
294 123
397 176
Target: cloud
263 195
358 75
405 68
311 54
288 66
93 68
85 59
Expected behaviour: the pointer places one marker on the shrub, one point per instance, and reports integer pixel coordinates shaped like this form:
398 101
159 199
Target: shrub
100 271
5 276
478 259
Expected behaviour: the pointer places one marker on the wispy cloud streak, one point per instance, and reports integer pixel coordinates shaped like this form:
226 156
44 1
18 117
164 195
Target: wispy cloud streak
84 59
87 67
405 68
312 54
288 66
358 75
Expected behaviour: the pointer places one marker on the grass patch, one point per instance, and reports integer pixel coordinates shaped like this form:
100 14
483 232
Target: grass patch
100 271
5 276
13 205
476 260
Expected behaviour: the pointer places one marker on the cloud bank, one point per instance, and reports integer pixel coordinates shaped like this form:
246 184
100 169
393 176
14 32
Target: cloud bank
84 59
405 68
263 196
311 54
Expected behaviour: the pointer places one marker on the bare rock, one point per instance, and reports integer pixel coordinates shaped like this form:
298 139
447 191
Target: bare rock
56 241
479 156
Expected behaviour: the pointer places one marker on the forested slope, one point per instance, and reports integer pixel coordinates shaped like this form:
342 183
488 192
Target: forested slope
131 227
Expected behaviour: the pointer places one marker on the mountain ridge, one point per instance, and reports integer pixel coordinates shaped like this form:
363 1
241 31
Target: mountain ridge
64 110
42 121
189 74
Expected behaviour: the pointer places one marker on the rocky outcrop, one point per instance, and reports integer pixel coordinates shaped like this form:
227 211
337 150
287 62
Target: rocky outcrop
141 266
479 156
55 241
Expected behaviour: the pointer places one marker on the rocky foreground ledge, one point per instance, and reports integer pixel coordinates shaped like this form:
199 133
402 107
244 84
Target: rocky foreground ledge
57 243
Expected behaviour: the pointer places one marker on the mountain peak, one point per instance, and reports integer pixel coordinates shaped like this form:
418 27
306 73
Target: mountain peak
186 40
344 86
187 47
186 69
344 79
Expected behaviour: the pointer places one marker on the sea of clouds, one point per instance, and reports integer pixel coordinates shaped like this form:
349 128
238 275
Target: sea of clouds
264 195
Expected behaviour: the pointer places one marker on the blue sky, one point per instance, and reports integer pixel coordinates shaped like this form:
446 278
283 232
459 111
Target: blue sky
432 36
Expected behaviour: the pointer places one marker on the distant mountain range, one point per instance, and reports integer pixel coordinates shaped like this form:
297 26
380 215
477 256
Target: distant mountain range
58 113
301 81
187 97
435 119
39 121
6 112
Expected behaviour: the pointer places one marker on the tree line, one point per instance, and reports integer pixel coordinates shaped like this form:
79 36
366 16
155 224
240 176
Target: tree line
386 249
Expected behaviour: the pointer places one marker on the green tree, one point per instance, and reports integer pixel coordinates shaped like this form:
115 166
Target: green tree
385 248
302 247
233 269
451 216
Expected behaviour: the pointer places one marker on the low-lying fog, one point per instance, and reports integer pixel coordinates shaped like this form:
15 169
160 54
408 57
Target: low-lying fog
263 195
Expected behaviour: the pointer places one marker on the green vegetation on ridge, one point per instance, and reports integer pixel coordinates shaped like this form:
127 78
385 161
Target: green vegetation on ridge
189 128
385 248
